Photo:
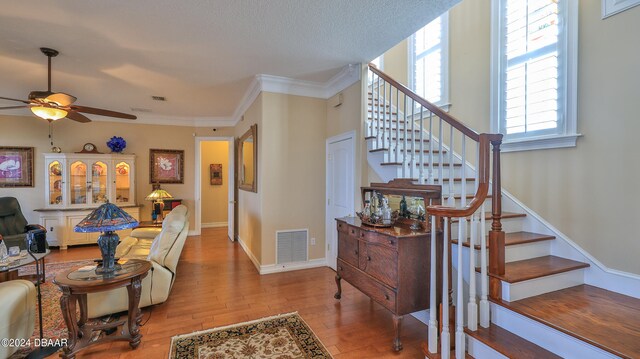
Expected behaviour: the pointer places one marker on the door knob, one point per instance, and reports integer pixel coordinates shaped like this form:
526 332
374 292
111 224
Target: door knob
233 202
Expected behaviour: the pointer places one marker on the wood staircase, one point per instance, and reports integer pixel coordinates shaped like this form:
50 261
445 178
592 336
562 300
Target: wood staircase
540 306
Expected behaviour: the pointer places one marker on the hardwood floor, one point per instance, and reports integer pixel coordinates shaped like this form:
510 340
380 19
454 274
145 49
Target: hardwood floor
217 285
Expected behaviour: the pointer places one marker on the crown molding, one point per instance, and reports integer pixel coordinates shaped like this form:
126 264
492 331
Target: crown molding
347 76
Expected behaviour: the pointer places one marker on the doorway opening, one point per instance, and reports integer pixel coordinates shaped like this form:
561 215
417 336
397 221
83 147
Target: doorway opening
214 184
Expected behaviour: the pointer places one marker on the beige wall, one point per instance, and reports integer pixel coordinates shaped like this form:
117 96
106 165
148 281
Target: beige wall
215 198
587 192
70 136
292 149
250 203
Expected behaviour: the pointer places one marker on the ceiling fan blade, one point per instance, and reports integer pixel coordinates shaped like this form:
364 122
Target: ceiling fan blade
101 112
11 107
61 99
72 115
13 99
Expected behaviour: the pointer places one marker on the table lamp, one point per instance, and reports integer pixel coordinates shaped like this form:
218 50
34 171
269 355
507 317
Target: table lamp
107 218
158 195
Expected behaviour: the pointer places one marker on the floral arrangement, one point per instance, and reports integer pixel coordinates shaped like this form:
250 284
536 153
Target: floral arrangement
117 144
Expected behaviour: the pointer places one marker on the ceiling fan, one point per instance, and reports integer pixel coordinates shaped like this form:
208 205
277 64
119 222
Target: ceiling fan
53 106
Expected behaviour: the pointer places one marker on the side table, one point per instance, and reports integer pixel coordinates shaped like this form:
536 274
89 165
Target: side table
75 285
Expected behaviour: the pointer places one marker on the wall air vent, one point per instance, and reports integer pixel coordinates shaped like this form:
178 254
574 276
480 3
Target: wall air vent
291 246
159 98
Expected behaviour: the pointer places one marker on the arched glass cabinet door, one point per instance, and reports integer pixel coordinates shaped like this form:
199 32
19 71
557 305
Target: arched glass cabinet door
78 183
123 183
55 171
99 182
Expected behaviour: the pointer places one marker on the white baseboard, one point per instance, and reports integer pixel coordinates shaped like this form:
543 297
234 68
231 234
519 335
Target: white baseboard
278 268
214 224
193 232
246 249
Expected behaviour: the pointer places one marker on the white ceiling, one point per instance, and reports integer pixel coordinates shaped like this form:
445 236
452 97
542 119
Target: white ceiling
201 55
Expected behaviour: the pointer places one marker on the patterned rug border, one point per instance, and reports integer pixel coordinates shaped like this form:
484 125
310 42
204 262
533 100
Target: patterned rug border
230 326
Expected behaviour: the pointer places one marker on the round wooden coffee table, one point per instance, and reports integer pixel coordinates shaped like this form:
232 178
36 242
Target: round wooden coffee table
75 285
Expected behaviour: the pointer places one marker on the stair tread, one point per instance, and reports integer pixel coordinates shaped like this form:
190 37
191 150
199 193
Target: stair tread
402 150
509 344
418 164
527 269
605 319
514 238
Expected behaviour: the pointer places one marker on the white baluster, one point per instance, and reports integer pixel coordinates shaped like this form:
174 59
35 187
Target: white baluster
451 201
413 137
440 155
430 147
460 343
472 308
384 114
405 149
445 341
462 224
378 115
433 308
484 279
397 123
422 144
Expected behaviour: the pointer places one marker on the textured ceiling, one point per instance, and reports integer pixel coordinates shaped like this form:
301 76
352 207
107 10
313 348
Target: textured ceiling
200 54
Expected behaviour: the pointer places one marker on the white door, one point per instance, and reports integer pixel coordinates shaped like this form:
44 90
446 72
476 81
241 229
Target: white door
231 183
340 187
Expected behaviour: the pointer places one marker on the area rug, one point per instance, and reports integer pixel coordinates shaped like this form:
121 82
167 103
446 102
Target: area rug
284 336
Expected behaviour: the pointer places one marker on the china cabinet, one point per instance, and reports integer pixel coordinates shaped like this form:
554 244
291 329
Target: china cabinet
76 183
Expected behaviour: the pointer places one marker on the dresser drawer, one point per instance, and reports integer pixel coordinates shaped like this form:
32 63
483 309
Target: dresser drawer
348 248
367 285
379 262
373 237
347 229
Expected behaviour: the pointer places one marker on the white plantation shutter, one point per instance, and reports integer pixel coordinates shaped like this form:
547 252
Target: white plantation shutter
429 60
532 55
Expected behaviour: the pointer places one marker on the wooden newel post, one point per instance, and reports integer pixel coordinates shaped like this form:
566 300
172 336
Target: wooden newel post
496 235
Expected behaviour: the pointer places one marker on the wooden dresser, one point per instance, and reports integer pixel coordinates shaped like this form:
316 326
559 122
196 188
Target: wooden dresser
390 265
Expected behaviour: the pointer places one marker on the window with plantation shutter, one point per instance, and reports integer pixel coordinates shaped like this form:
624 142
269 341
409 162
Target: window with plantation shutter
534 72
428 61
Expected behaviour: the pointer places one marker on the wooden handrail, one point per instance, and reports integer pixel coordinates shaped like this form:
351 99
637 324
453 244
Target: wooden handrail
483 185
433 108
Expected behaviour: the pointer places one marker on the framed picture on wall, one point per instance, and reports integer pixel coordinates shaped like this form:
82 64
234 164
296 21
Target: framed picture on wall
215 174
16 166
166 166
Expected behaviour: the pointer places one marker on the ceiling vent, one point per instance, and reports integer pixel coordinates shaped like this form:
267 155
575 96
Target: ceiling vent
159 98
139 109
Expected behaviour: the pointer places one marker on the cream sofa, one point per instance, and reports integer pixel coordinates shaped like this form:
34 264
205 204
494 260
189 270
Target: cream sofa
162 247
18 300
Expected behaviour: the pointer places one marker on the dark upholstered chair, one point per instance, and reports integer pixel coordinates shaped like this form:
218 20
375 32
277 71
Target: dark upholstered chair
13 225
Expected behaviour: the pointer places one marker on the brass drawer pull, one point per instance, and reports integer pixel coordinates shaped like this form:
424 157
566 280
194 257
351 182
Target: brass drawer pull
386 296
391 241
340 268
369 258
356 252
353 231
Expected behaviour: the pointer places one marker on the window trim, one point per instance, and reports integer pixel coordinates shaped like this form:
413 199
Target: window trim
444 47
567 135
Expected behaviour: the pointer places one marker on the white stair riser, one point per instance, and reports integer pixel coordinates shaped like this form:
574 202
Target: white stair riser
529 288
554 341
519 252
508 225
479 350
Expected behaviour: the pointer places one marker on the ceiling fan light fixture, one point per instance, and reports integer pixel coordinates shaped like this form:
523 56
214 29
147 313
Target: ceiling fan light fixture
48 113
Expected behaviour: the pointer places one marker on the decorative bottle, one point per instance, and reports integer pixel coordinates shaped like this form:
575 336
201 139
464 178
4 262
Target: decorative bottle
386 212
366 212
403 207
4 256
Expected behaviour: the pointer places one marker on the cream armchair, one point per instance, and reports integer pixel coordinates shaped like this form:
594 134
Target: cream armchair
162 247
18 300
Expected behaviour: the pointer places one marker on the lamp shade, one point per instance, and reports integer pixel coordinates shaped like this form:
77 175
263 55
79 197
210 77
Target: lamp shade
108 217
158 194
48 113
